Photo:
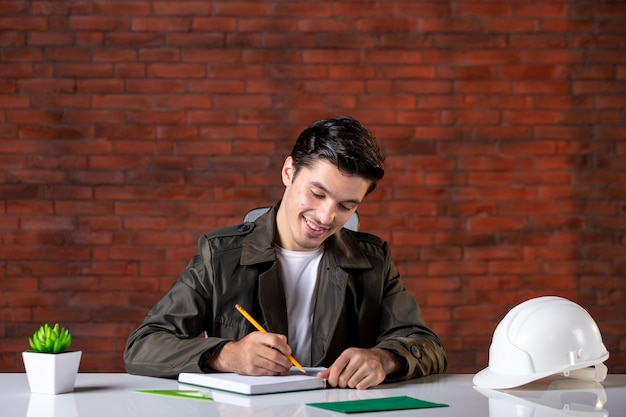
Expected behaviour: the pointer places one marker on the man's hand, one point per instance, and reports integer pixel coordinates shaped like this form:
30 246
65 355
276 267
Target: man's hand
361 368
255 354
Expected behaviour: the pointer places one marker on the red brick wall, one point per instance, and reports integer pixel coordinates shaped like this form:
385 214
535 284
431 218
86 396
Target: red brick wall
130 127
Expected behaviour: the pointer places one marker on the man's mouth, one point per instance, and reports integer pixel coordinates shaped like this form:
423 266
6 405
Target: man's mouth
314 227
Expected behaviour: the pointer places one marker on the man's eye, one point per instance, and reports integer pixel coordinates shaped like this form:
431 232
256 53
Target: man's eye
316 195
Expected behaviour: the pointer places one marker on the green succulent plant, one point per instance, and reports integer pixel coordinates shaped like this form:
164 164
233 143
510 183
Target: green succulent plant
50 339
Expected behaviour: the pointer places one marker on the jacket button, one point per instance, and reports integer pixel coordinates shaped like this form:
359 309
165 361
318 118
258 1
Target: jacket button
243 227
416 352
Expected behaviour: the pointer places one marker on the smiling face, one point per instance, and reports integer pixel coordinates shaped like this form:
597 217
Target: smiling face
317 202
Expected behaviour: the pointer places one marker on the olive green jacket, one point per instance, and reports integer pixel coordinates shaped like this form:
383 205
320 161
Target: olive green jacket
361 302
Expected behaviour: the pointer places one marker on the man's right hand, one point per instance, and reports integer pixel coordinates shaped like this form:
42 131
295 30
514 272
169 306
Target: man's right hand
256 354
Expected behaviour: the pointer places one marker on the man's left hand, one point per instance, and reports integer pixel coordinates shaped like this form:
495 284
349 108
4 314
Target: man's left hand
361 368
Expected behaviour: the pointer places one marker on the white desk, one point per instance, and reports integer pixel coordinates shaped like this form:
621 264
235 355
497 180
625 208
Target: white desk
112 395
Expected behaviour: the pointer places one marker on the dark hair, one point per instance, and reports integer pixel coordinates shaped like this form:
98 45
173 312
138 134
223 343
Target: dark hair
345 143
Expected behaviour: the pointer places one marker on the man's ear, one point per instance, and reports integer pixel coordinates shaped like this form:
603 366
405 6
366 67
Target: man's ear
288 171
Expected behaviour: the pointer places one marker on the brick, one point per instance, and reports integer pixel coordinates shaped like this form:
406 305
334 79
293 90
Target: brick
541 10
483 86
89 39
496 223
606 57
150 177
34 116
29 176
88 208
483 10
325 25
596 41
95 116
504 25
118 55
351 71
29 207
20 191
160 24
22 55
135 39
123 193
28 23
14 101
252 147
7 86
240 9
176 70
100 23
565 25
525 267
60 100
280 25
159 55
489 178
177 133
538 41
54 7
117 7
12 38
455 269
154 116
470 117
136 254
98 223
179 8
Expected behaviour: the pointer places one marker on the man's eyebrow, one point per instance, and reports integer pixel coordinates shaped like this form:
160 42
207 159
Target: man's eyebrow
323 188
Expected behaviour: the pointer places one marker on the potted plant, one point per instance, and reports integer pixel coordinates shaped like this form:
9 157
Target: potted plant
50 367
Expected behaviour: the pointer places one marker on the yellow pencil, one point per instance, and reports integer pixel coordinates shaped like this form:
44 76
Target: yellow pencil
261 329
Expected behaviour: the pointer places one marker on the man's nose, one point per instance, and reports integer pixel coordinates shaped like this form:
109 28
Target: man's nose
327 213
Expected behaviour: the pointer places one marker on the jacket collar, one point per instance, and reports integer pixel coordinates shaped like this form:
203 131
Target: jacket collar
258 246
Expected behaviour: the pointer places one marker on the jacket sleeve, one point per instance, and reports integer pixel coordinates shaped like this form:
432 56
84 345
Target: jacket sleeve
170 341
404 332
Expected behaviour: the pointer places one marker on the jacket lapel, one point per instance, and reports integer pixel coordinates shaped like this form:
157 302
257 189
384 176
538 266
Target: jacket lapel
272 301
340 257
331 289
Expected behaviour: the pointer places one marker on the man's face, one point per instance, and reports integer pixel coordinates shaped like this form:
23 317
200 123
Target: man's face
317 202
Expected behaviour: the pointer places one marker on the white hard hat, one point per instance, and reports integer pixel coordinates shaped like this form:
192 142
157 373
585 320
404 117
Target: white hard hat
541 337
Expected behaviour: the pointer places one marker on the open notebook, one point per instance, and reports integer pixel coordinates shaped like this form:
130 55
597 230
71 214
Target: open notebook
294 380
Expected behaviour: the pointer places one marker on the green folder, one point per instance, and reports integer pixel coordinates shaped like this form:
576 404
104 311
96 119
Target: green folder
180 393
377 404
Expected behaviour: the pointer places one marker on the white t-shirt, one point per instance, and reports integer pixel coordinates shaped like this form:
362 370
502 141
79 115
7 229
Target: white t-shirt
299 273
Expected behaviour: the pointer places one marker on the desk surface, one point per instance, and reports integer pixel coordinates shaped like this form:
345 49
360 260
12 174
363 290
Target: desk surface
109 395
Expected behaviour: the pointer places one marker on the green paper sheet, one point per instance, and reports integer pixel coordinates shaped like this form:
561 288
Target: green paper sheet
377 404
180 393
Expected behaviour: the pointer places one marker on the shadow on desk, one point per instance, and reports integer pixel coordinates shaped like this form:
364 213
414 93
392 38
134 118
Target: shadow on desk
549 397
92 388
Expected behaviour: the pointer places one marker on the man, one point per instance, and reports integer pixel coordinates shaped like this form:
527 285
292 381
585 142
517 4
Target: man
328 296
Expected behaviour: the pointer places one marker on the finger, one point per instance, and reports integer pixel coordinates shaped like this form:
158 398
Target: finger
336 371
347 375
323 374
274 341
269 350
259 357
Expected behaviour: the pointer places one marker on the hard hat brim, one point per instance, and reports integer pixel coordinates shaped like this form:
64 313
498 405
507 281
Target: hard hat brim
488 379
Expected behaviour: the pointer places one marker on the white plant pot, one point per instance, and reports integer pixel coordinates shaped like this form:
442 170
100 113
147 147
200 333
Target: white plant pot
51 373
